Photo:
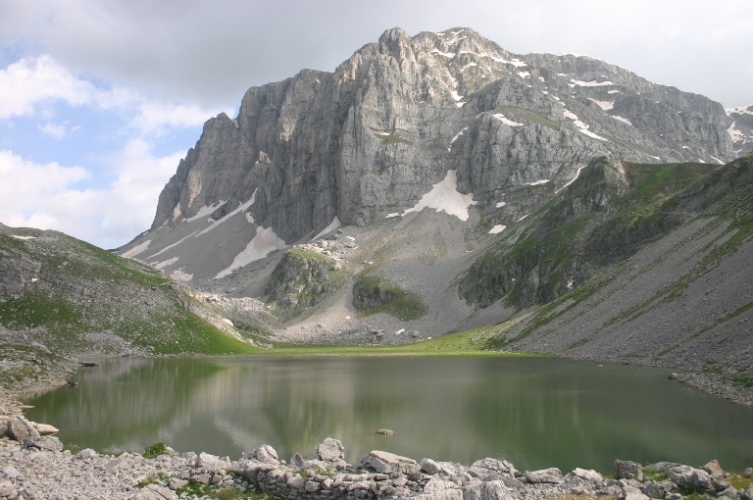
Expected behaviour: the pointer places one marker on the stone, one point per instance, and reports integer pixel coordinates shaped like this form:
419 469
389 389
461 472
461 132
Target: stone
7 489
44 443
552 475
311 487
486 490
4 420
715 469
681 475
211 463
385 432
295 482
748 472
389 463
653 489
429 466
297 460
176 484
156 492
624 469
86 453
330 450
263 453
45 429
20 428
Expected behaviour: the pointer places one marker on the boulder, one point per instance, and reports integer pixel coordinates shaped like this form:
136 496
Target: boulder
4 420
211 463
330 450
45 429
263 453
429 466
85 454
19 428
486 490
297 461
715 469
624 469
552 475
43 443
389 463
681 475
652 489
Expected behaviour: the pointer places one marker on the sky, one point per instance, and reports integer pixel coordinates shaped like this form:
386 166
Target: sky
100 100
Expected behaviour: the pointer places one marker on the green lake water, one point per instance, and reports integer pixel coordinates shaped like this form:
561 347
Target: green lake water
534 412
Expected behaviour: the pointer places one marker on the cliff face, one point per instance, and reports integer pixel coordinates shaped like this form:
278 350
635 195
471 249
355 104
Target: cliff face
371 138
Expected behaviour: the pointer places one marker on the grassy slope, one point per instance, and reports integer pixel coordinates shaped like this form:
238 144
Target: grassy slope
81 289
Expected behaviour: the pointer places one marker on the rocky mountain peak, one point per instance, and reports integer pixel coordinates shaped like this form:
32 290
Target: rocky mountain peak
401 119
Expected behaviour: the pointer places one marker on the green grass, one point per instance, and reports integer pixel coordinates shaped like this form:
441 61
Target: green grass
375 294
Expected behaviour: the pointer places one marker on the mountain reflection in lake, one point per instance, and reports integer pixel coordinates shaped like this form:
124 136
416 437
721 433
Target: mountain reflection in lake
534 412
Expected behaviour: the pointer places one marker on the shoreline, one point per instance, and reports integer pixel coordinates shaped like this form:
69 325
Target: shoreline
156 475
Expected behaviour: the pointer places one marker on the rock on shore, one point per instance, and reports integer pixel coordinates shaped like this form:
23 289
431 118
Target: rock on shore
39 468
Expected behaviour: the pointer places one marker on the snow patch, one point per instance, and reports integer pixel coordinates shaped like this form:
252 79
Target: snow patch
444 197
734 133
393 214
717 159
613 91
137 249
526 215
577 173
740 111
605 105
581 126
524 74
242 207
501 204
227 321
181 275
537 183
168 247
165 263
448 55
622 119
332 226
581 83
456 96
507 121
497 229
449 148
264 243
19 237
206 211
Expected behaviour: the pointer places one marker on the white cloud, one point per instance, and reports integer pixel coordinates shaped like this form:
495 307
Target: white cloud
47 196
57 131
31 81
156 116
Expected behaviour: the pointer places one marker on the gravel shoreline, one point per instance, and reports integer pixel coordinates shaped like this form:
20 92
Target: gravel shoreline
31 472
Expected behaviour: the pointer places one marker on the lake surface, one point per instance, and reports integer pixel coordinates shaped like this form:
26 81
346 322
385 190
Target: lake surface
534 412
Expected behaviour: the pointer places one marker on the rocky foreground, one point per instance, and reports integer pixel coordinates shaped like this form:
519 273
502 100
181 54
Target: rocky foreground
36 466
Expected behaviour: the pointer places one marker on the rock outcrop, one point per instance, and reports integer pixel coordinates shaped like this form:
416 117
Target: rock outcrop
370 139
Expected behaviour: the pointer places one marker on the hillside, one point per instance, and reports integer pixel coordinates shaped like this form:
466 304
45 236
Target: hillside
62 298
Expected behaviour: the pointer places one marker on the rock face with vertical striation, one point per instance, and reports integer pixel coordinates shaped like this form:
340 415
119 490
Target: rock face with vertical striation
398 117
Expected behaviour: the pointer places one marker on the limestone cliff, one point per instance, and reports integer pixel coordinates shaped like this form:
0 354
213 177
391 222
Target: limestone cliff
368 140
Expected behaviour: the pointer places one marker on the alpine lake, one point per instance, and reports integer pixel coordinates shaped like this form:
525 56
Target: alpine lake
534 412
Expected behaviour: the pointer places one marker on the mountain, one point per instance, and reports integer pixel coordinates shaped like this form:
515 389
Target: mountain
438 183
370 139
61 297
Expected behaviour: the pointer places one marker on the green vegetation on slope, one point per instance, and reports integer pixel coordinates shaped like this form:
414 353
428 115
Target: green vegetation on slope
374 294
606 215
74 295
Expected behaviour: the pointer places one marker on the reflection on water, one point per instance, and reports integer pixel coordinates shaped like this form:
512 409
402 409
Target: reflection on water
533 412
